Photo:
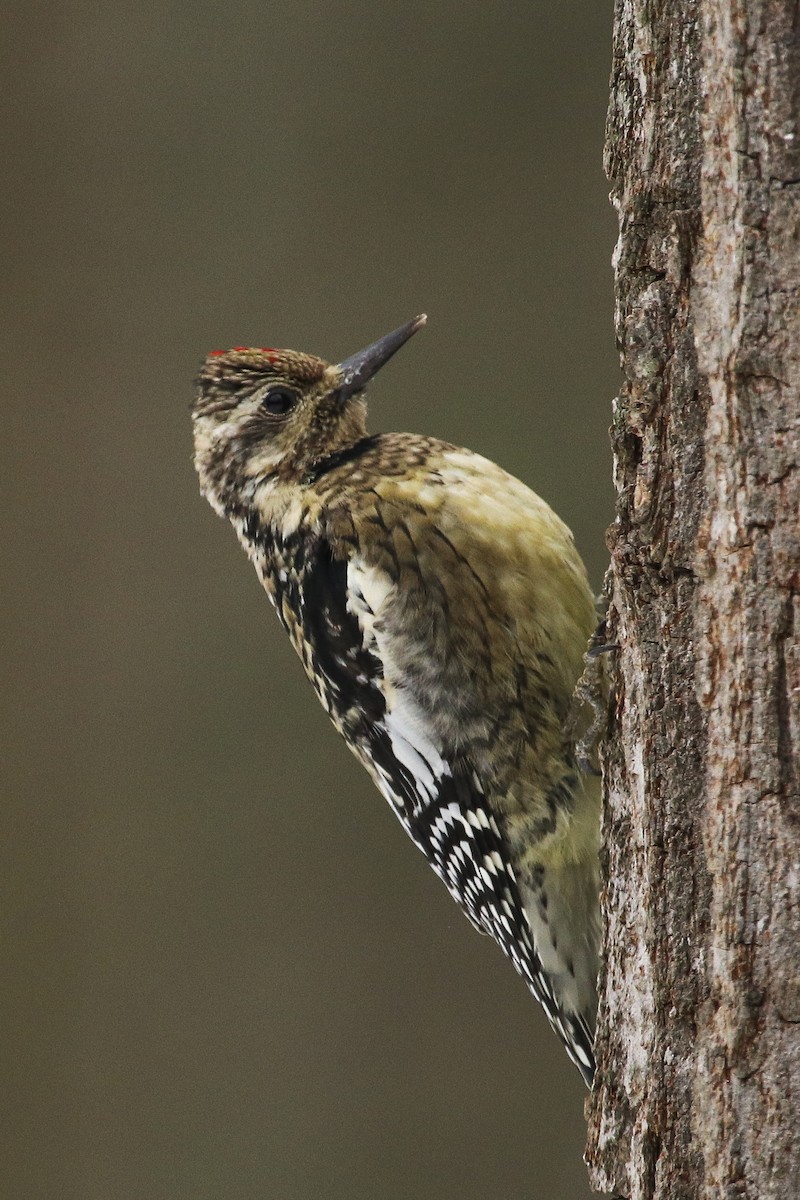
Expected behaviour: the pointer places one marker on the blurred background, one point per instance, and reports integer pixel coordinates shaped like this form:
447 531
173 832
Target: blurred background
227 972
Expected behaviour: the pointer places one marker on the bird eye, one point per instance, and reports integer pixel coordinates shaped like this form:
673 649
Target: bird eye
278 401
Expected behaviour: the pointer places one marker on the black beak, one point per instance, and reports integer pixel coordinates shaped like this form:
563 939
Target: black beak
358 369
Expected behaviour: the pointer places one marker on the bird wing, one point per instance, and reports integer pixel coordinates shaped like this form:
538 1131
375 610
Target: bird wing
437 794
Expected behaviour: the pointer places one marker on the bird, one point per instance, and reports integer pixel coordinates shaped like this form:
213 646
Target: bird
441 611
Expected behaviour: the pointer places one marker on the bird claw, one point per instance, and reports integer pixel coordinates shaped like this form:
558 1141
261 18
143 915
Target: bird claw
591 693
605 648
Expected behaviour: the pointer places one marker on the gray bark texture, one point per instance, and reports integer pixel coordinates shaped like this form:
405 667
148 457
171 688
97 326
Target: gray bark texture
698 1090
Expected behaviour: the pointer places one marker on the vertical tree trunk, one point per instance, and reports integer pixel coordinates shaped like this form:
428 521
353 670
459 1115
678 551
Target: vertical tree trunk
699 1039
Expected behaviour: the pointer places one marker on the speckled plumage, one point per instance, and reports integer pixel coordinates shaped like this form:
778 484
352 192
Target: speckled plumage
441 611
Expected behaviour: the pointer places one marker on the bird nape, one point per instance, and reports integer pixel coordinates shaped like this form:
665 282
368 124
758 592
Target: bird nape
441 611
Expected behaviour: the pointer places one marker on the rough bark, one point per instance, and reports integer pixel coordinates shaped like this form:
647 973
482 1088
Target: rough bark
699 1039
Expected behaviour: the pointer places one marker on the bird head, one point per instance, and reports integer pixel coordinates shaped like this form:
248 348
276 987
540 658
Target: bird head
262 414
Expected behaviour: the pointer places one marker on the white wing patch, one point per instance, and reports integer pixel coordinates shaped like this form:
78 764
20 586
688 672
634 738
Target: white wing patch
369 593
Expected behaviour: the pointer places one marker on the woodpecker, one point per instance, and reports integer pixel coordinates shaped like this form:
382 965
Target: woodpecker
441 611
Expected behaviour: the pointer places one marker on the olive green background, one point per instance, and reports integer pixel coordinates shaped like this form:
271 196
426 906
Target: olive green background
227 973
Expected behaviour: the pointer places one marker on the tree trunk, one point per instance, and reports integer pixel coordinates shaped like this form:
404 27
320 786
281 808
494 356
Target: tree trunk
699 1042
